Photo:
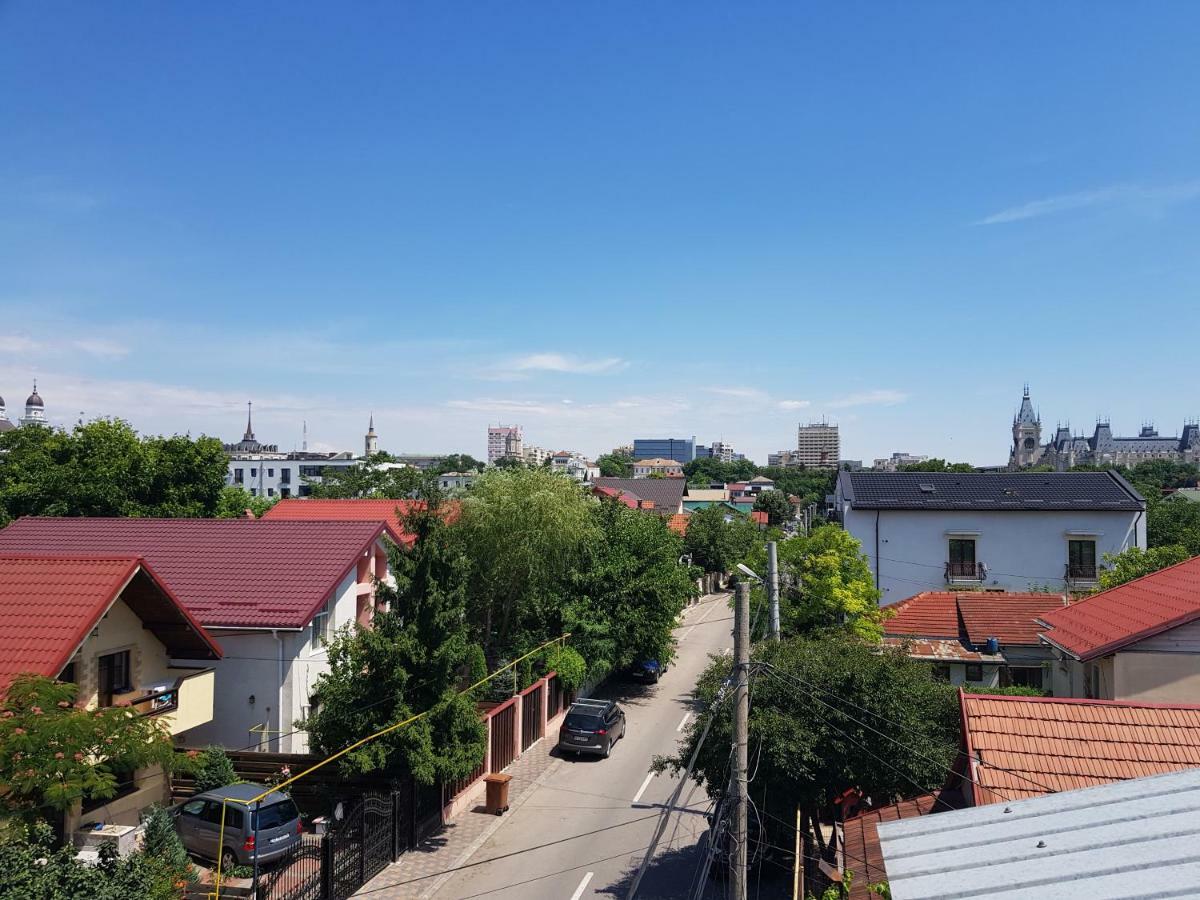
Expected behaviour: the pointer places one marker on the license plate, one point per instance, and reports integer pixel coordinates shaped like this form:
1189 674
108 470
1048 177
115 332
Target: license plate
580 740
282 837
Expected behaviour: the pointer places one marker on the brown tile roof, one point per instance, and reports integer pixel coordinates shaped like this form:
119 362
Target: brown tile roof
366 509
665 493
1028 746
1127 613
929 614
936 649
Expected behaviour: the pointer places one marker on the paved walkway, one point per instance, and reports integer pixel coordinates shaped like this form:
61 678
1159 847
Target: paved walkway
422 871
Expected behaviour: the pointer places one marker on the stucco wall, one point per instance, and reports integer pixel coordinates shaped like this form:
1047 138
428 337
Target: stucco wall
1157 677
1021 550
121 629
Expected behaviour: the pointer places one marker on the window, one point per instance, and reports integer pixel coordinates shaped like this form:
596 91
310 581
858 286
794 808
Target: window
238 476
126 784
962 559
1030 443
285 492
320 627
254 473
311 471
253 492
1081 559
270 473
285 476
277 814
270 492
113 676
941 673
974 672
1026 677
67 675
193 808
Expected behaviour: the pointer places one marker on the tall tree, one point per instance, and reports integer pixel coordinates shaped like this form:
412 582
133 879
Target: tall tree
936 465
235 501
718 537
613 465
1173 521
370 479
411 658
1136 562
776 505
458 462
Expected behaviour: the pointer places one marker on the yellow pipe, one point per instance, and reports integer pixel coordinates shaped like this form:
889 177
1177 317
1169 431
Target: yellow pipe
221 846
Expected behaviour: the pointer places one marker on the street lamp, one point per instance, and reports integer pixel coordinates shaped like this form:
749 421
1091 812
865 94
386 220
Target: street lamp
772 583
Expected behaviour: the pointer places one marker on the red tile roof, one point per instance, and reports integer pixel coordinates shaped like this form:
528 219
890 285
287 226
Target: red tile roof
227 572
937 649
861 836
390 512
678 523
975 615
1028 746
1128 613
759 517
48 604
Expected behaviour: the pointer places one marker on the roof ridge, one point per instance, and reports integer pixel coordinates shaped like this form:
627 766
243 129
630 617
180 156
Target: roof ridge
1082 701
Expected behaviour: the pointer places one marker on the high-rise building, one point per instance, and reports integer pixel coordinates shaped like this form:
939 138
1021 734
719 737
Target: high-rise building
682 450
504 441
817 446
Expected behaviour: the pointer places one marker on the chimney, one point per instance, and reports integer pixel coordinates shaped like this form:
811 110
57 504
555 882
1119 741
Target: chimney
249 513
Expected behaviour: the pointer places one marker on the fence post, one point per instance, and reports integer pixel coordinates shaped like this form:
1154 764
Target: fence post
545 703
395 825
327 864
518 724
487 753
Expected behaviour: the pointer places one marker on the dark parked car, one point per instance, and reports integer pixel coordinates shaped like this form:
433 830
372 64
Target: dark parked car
592 726
648 670
198 822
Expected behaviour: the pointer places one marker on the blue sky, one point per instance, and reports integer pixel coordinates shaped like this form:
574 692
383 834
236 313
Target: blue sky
602 221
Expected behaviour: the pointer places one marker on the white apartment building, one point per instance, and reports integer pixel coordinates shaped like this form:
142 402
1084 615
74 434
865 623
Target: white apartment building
817 446
896 460
574 464
504 441
534 456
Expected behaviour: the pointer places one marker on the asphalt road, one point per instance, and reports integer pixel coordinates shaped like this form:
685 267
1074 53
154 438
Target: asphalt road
585 829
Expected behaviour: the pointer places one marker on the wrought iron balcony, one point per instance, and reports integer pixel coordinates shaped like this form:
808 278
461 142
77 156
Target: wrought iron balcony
964 571
1077 572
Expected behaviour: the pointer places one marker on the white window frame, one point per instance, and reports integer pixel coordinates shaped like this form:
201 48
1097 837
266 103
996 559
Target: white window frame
318 628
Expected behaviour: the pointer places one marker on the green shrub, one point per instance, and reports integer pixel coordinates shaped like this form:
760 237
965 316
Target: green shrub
213 769
569 665
161 841
1012 691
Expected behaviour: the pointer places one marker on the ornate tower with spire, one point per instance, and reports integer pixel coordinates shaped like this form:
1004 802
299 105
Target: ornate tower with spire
35 410
371 441
1026 435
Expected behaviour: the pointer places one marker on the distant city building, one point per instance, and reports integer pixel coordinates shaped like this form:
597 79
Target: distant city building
574 464
668 468
371 441
534 456
420 461
850 465
682 450
623 450
896 460
781 458
265 471
504 441
719 450
456 481
817 446
1066 450
35 412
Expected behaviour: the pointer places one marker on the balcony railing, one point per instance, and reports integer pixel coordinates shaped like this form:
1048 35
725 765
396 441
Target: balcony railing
964 571
1077 572
185 704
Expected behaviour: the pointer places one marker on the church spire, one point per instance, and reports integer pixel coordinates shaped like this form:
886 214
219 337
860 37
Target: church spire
249 435
371 441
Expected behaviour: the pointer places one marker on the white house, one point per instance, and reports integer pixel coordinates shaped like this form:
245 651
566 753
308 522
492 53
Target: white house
271 592
1014 531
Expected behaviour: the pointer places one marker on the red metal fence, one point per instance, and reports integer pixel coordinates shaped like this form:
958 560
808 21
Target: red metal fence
503 727
533 728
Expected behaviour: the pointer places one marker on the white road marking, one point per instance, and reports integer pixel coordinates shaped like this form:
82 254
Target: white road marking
683 721
582 886
704 618
642 789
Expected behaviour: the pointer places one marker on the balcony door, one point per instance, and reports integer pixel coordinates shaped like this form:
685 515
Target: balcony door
962 558
1081 560
113 676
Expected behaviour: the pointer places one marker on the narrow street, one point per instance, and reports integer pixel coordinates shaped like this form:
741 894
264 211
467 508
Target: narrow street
582 831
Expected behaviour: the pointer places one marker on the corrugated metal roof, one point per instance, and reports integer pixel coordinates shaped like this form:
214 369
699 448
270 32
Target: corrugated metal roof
1133 839
226 572
1127 613
989 490
860 833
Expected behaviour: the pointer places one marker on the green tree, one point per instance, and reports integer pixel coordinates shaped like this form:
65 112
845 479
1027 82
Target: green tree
161 841
411 657
614 465
509 462
1174 522
810 485
706 469
211 768
458 462
53 753
936 465
1136 562
807 745
718 537
776 505
370 480
103 468
524 532
236 500
627 591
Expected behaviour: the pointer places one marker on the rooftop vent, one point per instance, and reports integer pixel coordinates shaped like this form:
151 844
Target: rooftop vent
926 488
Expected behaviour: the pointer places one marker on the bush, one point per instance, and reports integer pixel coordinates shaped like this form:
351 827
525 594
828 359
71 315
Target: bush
212 769
1012 691
162 842
569 665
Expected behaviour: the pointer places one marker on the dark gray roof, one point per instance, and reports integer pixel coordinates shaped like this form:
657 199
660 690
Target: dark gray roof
6 425
665 493
988 490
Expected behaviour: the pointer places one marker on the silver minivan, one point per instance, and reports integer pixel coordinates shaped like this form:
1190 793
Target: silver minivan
265 830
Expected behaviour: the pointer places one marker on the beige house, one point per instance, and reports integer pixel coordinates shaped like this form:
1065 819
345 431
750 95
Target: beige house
109 625
1138 641
667 468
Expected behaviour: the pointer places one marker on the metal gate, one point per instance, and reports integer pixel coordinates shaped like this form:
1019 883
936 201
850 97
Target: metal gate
504 725
360 846
532 726
297 876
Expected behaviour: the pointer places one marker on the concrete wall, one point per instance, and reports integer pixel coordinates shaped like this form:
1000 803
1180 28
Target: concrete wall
1021 550
1158 677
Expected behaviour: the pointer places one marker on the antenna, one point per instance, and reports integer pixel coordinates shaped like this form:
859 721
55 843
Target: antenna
304 440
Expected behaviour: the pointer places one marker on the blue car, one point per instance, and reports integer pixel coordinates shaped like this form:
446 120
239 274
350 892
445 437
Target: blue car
649 670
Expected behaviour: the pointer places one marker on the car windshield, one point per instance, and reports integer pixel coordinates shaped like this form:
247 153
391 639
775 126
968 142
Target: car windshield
583 721
277 814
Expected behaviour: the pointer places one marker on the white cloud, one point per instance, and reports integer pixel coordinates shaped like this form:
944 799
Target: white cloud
101 348
795 404
879 397
560 362
14 343
1153 199
741 393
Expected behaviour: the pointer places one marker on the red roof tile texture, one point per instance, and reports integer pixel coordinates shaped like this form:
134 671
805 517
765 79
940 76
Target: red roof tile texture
861 834
48 604
1128 613
1028 746
226 572
931 614
678 523
976 615
391 512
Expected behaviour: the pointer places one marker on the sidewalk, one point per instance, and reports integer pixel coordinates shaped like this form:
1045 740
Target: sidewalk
419 873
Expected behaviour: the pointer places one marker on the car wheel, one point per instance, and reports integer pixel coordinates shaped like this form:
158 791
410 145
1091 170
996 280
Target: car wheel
228 860
607 749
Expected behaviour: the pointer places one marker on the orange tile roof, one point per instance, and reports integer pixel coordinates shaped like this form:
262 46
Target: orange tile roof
1022 747
49 603
366 509
929 614
973 615
1128 613
678 523
860 835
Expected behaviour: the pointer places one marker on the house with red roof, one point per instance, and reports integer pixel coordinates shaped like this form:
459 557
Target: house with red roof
359 509
271 592
112 626
1137 641
984 638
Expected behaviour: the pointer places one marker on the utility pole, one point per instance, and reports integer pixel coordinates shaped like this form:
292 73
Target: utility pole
741 742
773 587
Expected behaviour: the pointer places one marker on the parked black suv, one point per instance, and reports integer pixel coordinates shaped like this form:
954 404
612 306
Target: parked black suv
592 726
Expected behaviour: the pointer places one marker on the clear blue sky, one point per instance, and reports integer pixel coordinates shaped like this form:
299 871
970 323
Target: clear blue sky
602 221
